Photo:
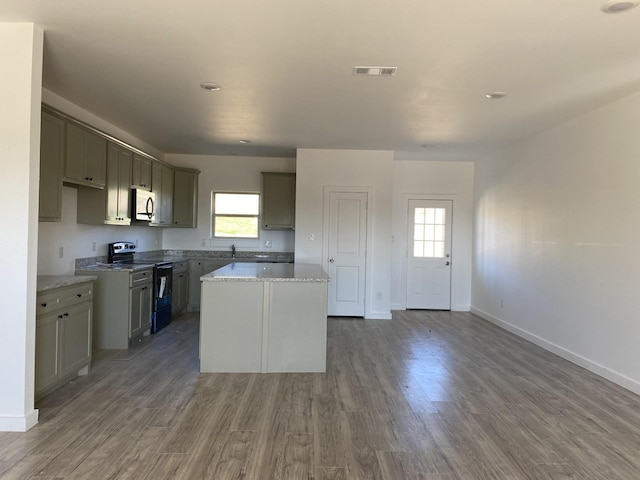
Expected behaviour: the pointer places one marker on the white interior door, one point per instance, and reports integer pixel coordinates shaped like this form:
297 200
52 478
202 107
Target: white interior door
429 254
346 255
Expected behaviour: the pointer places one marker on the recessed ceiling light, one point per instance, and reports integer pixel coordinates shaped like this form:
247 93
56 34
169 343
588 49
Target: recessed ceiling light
244 142
495 95
616 6
212 87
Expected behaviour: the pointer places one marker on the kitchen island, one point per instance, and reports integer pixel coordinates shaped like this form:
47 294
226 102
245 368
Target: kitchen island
264 317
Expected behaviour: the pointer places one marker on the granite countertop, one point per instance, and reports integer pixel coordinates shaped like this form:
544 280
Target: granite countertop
49 282
273 272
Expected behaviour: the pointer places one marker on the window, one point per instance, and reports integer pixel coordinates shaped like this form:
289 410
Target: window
428 232
235 215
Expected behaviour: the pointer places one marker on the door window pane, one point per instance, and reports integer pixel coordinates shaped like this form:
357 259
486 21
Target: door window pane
429 232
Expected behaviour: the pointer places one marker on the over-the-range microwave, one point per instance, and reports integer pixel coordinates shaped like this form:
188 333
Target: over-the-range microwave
143 204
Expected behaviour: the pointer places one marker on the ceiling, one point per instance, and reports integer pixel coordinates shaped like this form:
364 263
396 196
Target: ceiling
286 70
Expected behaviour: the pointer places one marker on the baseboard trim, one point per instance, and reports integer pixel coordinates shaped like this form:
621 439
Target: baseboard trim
454 308
19 424
598 369
378 316
460 308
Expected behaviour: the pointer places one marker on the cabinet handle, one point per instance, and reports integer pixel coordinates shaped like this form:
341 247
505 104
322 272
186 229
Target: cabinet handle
43 304
60 316
79 295
66 314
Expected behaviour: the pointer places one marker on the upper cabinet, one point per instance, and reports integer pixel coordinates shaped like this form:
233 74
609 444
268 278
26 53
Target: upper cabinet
51 165
81 156
141 172
118 184
278 201
85 157
162 185
111 205
185 198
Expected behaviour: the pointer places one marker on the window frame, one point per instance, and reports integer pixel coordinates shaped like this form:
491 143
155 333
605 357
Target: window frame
213 215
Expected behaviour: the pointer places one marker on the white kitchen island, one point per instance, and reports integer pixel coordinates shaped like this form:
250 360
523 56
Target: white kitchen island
264 317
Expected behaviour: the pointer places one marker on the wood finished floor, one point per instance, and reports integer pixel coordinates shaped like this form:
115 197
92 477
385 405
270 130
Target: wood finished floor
429 395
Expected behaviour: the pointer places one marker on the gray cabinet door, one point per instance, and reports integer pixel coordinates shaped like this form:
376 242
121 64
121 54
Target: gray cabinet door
162 185
140 309
47 351
185 199
76 338
96 158
278 201
51 166
166 200
117 186
180 292
141 172
85 157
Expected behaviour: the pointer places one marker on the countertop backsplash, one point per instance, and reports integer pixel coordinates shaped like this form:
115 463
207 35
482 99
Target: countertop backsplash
280 257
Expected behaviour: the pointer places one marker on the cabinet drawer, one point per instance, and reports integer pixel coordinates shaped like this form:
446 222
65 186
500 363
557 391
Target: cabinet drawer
180 267
48 302
141 277
78 294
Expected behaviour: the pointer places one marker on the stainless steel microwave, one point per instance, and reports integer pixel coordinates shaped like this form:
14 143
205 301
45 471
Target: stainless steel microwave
143 204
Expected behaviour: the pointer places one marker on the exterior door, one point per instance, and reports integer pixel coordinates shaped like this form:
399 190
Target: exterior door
429 254
346 255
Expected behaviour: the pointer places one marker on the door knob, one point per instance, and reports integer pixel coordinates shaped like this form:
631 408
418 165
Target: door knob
447 263
331 260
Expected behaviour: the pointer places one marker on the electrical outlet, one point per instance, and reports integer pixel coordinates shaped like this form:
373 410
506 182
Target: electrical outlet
379 296
268 244
60 252
93 246
204 242
312 237
501 303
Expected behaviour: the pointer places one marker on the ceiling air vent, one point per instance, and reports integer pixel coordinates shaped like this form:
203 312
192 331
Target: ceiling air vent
375 71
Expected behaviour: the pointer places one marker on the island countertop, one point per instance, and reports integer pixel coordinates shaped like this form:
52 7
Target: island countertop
267 272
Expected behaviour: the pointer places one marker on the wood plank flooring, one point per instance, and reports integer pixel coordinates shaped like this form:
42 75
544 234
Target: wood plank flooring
426 396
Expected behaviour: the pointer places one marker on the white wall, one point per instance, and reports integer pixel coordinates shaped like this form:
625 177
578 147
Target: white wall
441 180
557 240
227 173
21 47
347 168
77 240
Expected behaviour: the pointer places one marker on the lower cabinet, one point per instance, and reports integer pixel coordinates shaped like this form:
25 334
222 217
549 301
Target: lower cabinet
198 268
140 299
122 306
63 336
180 289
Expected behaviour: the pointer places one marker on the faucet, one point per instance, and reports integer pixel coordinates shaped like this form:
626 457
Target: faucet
233 251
